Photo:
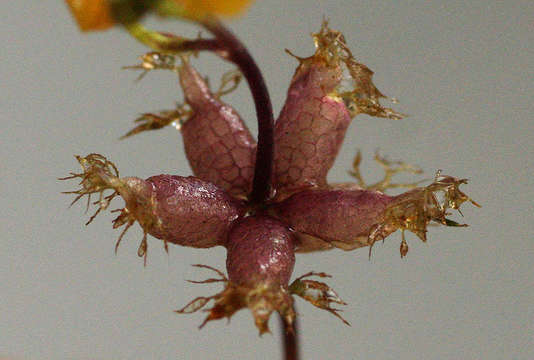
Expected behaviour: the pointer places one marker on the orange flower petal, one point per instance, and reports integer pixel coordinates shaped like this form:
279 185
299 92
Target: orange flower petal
91 14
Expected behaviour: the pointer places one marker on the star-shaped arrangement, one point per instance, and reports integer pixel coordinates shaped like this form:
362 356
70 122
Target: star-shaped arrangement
302 213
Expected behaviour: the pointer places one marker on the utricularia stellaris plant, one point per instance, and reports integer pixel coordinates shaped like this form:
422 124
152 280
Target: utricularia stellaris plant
263 200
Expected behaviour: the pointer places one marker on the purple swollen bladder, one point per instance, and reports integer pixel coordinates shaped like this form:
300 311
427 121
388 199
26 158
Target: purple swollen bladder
318 110
260 248
303 213
218 145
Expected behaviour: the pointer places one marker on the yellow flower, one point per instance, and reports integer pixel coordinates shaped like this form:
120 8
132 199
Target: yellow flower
200 8
91 14
98 14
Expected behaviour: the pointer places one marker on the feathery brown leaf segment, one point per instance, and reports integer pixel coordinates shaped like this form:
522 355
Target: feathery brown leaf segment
303 212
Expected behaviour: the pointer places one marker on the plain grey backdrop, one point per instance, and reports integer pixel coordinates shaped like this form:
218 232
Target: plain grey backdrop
462 70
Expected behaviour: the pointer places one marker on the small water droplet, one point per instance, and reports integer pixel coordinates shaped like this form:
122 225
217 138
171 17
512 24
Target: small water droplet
177 124
142 248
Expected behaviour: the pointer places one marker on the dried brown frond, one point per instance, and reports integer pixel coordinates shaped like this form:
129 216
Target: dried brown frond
362 96
391 168
154 121
414 210
99 175
317 293
229 82
262 298
153 61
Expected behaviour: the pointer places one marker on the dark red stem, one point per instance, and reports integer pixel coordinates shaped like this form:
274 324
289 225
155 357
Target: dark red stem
290 340
238 54
192 45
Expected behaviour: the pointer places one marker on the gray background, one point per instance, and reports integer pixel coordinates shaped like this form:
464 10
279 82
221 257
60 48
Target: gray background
462 70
